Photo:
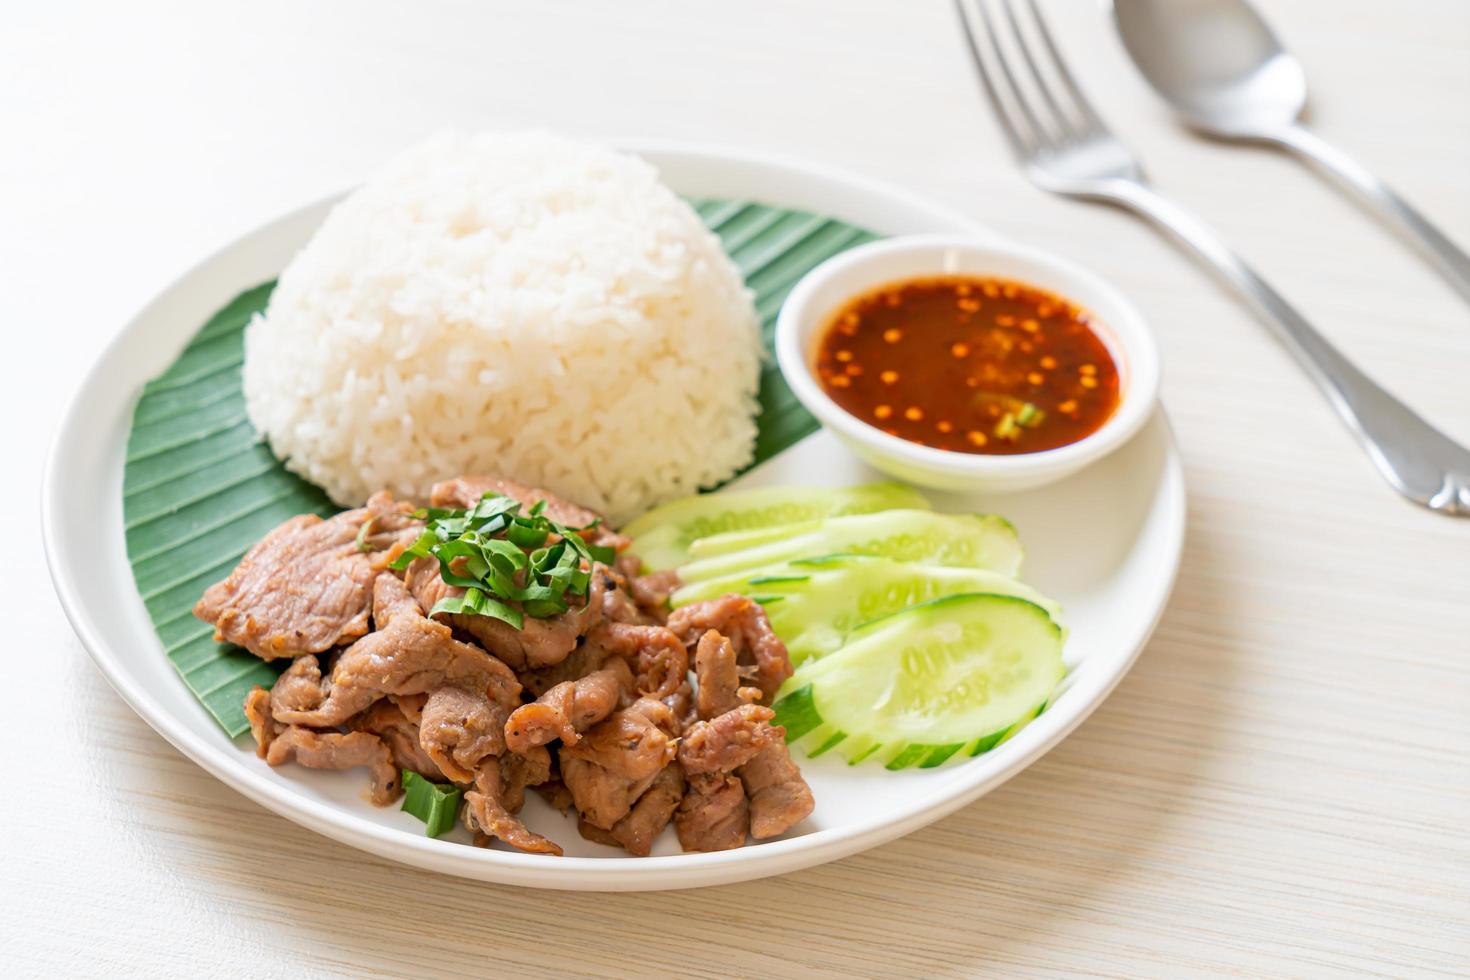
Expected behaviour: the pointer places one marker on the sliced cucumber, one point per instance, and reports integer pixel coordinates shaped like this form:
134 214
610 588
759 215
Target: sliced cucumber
959 540
952 676
724 544
823 599
662 536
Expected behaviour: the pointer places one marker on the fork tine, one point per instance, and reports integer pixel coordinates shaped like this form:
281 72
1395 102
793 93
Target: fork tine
1041 135
1019 132
1083 108
1061 121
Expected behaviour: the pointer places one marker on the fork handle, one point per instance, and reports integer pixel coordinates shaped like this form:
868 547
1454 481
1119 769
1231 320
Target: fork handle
1447 257
1417 460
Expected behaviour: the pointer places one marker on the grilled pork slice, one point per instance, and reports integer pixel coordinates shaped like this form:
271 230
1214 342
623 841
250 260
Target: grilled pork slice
729 740
486 815
459 728
279 744
760 653
409 654
714 814
779 796
636 598
569 708
657 656
740 741
637 831
718 673
652 591
617 760
307 586
519 772
584 660
387 720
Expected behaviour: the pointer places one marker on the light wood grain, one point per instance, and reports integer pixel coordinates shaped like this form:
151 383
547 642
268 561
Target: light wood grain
1281 785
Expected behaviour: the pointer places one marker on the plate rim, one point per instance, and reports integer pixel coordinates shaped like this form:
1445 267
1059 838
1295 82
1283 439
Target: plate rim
584 873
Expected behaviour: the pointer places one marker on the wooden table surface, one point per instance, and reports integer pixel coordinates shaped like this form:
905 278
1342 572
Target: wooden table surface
1280 786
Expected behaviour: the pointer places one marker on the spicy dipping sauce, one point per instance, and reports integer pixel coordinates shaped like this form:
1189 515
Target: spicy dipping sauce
974 365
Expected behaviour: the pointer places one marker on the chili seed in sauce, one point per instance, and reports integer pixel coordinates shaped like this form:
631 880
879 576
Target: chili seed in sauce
1019 371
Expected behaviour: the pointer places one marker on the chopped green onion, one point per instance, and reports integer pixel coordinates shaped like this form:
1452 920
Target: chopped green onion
421 546
1030 416
363 532
1006 428
543 608
474 602
437 805
497 571
526 537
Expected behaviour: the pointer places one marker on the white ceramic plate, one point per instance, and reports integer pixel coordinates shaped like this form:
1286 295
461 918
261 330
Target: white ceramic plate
1105 542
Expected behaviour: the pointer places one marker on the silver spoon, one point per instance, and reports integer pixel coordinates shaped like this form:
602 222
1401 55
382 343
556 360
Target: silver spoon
1218 63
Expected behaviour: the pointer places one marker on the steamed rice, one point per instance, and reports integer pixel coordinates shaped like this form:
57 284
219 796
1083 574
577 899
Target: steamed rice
520 305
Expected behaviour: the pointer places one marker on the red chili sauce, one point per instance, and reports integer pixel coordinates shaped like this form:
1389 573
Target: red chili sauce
973 365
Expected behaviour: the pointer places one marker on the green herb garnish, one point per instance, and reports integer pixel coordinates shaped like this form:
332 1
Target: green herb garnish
436 804
362 534
500 555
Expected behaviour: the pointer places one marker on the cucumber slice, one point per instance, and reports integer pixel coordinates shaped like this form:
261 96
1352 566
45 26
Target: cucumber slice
959 540
949 677
723 544
662 536
823 599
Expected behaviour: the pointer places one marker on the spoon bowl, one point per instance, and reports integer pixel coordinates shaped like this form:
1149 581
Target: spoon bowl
1217 62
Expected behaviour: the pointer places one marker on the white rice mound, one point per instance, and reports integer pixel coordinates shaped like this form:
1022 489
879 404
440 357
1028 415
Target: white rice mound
521 305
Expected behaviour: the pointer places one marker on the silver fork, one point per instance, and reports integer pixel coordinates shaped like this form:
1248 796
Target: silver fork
1065 147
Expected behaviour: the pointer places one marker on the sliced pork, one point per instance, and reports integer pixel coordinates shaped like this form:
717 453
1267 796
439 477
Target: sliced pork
582 661
714 814
337 750
637 831
387 720
258 713
637 598
279 744
408 655
307 586
657 656
460 728
569 708
762 656
779 796
486 813
718 673
616 760
618 605
651 592
729 740
300 687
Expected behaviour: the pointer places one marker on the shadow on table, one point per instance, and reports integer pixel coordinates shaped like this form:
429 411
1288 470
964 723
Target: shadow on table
1030 865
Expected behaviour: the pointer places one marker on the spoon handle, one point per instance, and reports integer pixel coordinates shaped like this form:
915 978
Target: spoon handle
1414 457
1448 257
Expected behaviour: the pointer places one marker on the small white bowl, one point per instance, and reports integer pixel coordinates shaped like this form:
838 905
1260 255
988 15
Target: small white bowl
824 290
